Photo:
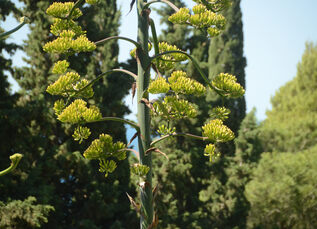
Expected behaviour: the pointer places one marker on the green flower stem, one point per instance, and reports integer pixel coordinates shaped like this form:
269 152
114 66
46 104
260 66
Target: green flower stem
202 74
99 77
118 38
5 34
15 159
164 1
175 135
143 62
132 124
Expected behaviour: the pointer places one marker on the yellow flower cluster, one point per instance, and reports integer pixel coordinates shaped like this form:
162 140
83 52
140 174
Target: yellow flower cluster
60 67
227 86
220 113
64 85
204 17
66 44
61 25
168 61
216 131
62 10
69 84
91 2
140 170
182 84
164 130
210 151
181 17
158 86
77 113
174 108
81 133
179 82
103 149
215 5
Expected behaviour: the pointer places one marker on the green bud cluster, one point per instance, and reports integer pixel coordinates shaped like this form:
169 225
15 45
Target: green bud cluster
62 10
204 16
168 61
71 39
69 84
164 130
66 44
61 24
210 151
60 67
182 84
159 85
174 108
181 17
91 2
216 131
220 113
179 83
227 86
81 133
78 112
140 170
215 5
104 150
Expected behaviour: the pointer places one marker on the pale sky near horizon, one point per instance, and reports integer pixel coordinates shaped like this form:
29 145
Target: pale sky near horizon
275 33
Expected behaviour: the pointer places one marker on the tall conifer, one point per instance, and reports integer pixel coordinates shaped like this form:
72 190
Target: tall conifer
206 184
53 170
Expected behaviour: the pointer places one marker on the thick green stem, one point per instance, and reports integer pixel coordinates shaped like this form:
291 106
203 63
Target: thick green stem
144 139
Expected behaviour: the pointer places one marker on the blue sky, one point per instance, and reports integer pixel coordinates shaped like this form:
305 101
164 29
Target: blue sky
275 33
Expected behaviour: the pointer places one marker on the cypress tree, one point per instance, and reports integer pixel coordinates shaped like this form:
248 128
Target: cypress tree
53 169
203 201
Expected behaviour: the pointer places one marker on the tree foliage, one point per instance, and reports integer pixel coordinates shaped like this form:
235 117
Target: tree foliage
207 199
291 124
282 191
53 170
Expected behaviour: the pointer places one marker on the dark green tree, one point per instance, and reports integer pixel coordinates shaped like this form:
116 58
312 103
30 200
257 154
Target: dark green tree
282 191
53 169
291 124
187 174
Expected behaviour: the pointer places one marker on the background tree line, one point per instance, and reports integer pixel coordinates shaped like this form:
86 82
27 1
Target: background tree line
246 188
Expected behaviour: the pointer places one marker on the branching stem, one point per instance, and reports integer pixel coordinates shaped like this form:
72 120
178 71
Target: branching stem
118 38
15 159
5 34
176 135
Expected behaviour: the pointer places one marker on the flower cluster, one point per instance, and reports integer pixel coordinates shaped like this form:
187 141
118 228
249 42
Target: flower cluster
227 86
168 61
220 113
174 108
104 150
215 5
140 170
216 131
78 112
204 16
70 83
164 130
81 133
210 151
62 10
179 83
